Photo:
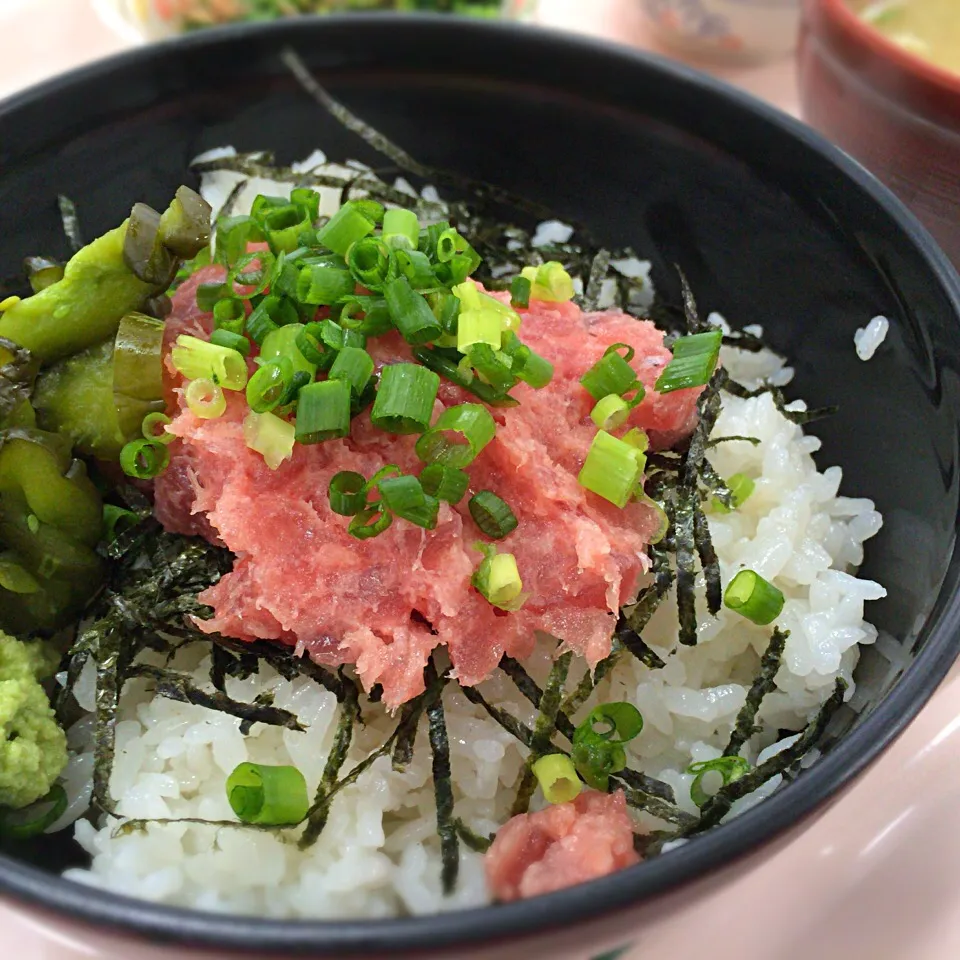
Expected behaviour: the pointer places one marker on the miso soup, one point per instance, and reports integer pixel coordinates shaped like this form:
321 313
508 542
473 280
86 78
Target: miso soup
928 28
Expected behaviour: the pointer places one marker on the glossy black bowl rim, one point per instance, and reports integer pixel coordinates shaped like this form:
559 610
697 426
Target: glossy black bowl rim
419 936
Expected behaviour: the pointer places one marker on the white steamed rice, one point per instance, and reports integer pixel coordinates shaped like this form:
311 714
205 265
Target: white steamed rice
379 854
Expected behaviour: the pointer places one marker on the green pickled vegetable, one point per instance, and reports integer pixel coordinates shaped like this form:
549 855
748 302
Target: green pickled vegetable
100 286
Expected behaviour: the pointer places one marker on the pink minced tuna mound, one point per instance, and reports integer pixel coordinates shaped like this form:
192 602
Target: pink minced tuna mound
561 846
384 603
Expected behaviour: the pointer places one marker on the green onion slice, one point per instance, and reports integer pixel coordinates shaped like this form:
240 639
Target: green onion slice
741 487
492 515
618 722
478 326
349 224
144 459
411 313
525 364
347 493
611 374
753 597
229 314
354 365
196 359
153 428
323 285
493 366
730 768
401 229
405 398
612 469
272 796
370 523
270 436
694 361
35 819
598 742
405 498
610 412
205 399
498 579
558 778
323 411
445 483
232 341
269 384
371 263
416 267
520 289
549 282
458 436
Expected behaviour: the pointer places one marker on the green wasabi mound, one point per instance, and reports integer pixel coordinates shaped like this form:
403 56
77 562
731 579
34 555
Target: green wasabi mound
33 748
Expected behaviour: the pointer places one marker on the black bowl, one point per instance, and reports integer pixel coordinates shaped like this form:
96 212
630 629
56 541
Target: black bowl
770 223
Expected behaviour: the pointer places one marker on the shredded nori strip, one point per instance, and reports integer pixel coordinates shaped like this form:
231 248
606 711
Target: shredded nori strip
471 839
716 485
599 270
656 806
708 560
683 526
320 811
71 222
719 805
691 314
410 723
442 786
513 726
581 693
800 417
716 441
746 726
633 620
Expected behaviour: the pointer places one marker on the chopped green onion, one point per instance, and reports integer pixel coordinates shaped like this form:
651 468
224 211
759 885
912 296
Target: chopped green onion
269 314
285 276
446 308
447 244
196 359
283 342
468 294
229 314
298 381
323 411
753 597
611 374
348 225
598 741
612 469
694 360
283 227
411 313
354 365
445 483
429 237
741 487
405 498
234 235
231 340
272 796
370 262
498 579
405 398
34 820
152 428
114 518
458 436
401 229
549 282
270 436
416 267
375 321
322 285
637 439
478 326
208 295
558 778
144 459
370 523
492 515
440 362
310 343
205 399
263 203
490 366
730 768
610 412
269 384
520 289
347 493
307 200
525 363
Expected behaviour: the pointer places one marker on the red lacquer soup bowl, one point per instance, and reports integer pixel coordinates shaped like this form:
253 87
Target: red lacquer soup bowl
894 111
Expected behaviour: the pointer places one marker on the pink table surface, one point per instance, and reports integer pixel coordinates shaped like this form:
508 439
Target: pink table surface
870 876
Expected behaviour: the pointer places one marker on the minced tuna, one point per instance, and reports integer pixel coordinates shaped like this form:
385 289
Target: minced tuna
561 846
384 603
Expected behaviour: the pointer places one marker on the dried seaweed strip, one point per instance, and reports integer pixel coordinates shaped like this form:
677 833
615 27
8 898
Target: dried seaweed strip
599 269
471 839
318 814
800 417
443 790
543 730
109 684
516 728
708 560
71 222
720 804
716 485
175 686
741 340
633 642
581 693
746 726
683 525
129 827
410 722
716 441
690 312
657 806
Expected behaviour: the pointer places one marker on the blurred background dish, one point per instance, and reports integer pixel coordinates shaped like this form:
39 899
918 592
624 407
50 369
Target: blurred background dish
887 100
